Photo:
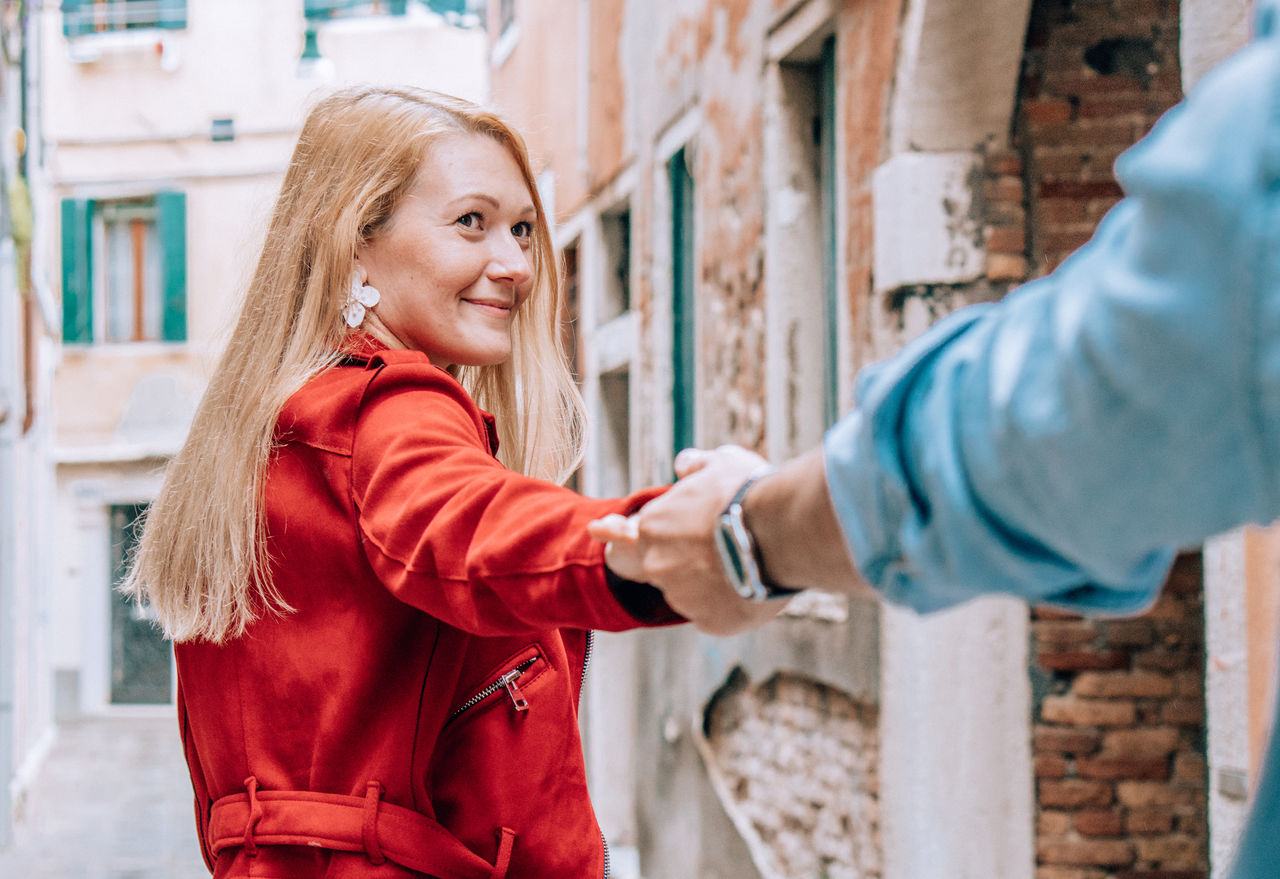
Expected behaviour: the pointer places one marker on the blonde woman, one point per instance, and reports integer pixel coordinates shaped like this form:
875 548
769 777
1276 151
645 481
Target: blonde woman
381 627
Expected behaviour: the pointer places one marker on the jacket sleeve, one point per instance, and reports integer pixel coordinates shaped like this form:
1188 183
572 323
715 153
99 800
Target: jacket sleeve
449 530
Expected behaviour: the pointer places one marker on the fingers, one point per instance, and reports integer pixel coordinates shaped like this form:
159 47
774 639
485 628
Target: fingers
690 461
623 558
614 526
670 542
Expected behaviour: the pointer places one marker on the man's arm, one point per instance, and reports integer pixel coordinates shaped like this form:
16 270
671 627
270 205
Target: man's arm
1060 444
800 543
671 542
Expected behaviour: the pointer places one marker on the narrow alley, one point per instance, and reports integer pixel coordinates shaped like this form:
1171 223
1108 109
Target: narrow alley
112 801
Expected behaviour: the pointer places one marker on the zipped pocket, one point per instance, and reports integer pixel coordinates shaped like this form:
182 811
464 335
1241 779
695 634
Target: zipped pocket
509 680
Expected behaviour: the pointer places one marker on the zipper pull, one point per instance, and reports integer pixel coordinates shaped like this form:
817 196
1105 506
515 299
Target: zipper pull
508 683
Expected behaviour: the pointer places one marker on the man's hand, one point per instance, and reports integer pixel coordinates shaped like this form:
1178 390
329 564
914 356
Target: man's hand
670 542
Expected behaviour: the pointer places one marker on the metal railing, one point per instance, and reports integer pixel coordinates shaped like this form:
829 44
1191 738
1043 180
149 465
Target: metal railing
80 17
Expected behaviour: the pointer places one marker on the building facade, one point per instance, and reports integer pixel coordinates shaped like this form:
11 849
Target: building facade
754 198
28 333
166 130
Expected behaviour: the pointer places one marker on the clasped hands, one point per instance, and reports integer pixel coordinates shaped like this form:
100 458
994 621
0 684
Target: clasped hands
670 542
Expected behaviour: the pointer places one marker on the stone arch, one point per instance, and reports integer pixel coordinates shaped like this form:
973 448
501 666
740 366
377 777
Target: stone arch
954 688
954 92
957 75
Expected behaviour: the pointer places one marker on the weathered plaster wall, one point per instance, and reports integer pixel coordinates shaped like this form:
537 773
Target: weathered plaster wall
1212 30
705 90
1241 585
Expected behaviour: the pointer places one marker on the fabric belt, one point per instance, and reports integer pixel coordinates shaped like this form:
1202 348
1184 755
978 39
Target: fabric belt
383 831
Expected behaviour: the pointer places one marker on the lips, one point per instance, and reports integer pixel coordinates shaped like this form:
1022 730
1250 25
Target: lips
494 304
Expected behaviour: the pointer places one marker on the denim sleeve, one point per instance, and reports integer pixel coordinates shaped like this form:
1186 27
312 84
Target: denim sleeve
1060 444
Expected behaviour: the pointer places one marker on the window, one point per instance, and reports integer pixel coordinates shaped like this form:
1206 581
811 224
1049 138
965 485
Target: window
570 321
81 17
124 270
615 229
322 10
613 434
825 73
141 659
571 299
683 274
325 9
802 316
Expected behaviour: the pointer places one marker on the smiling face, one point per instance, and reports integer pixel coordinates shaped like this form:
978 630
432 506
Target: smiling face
454 261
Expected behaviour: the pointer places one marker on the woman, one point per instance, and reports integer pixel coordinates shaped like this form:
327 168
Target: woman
381 631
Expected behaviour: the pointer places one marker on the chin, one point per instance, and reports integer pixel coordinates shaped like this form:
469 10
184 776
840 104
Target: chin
496 358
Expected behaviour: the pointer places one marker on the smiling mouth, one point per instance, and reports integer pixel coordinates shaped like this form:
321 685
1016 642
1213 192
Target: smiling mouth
497 307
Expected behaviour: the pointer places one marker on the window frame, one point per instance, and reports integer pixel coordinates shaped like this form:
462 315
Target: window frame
684 257
90 18
84 291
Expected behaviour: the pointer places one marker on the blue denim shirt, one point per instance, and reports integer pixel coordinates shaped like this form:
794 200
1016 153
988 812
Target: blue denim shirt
1059 445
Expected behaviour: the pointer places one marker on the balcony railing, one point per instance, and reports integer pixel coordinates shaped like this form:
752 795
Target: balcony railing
82 17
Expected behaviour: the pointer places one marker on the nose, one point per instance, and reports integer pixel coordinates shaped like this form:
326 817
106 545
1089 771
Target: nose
509 262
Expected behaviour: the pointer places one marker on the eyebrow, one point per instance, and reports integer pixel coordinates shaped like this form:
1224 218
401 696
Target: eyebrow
527 210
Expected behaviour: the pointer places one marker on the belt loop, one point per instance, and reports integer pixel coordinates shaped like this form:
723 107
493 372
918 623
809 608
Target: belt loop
506 841
369 831
255 815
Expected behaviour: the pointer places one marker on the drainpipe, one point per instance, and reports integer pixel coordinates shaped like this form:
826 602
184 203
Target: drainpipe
8 574
10 424
12 403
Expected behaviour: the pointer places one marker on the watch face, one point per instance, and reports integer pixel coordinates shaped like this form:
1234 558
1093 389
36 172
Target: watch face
730 555
732 559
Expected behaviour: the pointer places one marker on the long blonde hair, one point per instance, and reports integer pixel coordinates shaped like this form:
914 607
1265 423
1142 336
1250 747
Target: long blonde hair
203 560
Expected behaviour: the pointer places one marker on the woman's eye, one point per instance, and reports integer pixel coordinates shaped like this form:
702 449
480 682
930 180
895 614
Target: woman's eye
471 220
522 230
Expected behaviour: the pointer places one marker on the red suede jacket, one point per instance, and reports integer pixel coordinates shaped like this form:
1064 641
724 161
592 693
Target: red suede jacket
417 713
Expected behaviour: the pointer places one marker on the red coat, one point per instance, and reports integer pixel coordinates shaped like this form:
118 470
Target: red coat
369 732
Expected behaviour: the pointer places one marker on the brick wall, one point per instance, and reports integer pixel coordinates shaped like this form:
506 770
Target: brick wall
794 763
1096 76
1119 739
1118 736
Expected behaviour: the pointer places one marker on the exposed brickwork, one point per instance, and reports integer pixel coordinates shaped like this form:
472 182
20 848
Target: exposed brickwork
1118 737
797 759
1096 76
1118 740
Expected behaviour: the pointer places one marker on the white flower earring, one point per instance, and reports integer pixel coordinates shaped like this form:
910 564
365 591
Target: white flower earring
359 297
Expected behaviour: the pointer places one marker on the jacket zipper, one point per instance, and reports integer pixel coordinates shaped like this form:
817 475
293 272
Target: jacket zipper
582 686
506 681
586 661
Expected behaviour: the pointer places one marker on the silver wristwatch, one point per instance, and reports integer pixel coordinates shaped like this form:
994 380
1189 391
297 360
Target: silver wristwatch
738 549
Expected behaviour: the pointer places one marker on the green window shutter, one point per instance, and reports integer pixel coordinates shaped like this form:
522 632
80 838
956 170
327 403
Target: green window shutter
827 185
76 18
324 9
171 226
443 6
682 304
77 270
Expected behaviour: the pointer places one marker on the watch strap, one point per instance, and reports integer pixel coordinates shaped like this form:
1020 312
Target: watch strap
737 548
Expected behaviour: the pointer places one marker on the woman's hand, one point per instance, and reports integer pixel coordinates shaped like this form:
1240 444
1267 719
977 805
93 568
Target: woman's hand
670 542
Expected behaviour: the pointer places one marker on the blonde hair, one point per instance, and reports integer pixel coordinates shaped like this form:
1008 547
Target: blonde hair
203 561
